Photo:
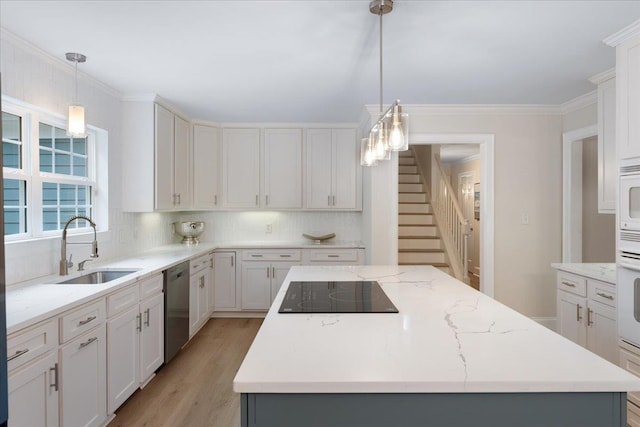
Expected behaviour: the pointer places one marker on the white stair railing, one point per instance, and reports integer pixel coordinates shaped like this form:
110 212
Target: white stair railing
455 229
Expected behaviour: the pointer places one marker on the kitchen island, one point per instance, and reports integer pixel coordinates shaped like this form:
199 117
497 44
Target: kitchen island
451 357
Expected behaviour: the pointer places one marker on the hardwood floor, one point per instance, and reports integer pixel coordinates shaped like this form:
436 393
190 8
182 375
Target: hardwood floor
196 388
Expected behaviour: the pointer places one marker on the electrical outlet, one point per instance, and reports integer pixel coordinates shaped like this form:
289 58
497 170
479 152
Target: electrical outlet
524 219
269 228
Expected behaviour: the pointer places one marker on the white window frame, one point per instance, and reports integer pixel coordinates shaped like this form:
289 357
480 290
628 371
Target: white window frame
34 178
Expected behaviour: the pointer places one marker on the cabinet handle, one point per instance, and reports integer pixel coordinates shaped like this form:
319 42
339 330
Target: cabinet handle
55 377
256 200
256 255
285 256
273 272
173 199
139 320
147 322
231 261
603 295
17 354
89 341
589 321
578 308
333 200
215 200
267 272
202 282
179 199
333 256
569 284
328 200
87 320
266 198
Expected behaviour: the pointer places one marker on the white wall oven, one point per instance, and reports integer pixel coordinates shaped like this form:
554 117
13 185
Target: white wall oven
629 217
629 305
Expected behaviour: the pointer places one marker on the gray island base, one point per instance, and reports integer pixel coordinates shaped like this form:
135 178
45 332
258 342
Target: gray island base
574 409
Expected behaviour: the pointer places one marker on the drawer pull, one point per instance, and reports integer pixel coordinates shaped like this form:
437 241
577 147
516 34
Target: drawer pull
55 377
139 321
589 321
87 320
88 342
603 295
285 256
333 256
147 312
256 255
569 284
17 354
578 316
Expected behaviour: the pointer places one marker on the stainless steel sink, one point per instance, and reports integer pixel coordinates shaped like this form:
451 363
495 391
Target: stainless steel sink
97 277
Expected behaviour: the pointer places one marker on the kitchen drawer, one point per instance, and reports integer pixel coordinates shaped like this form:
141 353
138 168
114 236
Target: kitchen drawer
24 346
602 292
333 255
633 415
78 321
151 286
199 263
122 300
572 283
271 255
630 361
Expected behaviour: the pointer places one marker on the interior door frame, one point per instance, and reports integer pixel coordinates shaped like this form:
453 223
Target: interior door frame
470 251
572 192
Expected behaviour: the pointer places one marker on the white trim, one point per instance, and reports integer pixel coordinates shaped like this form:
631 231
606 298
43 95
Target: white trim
623 35
487 231
474 109
61 63
572 241
141 97
603 76
287 125
580 102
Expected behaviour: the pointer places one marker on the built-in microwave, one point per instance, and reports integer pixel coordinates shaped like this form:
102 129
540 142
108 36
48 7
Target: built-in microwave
629 213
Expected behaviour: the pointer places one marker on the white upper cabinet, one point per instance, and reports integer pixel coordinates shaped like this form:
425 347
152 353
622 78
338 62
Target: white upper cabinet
206 167
282 165
241 168
156 158
333 173
628 93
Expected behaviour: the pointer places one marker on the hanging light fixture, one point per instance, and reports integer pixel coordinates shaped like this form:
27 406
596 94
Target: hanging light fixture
390 132
76 120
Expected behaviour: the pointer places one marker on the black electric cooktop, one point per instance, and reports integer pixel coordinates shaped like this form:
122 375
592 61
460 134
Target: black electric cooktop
336 297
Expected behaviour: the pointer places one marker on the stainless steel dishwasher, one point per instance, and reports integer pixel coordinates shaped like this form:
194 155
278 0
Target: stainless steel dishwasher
176 309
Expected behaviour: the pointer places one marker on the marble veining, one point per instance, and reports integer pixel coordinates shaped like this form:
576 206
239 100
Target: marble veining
446 338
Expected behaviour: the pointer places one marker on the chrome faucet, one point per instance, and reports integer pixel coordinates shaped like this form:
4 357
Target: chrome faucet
64 264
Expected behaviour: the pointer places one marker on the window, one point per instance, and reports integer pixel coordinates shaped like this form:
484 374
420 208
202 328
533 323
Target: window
49 177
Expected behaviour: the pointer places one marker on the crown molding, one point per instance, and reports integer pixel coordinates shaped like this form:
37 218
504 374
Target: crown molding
464 160
623 35
580 102
140 97
603 76
475 109
286 125
53 60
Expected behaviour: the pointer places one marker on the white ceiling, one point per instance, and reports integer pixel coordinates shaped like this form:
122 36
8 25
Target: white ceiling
318 60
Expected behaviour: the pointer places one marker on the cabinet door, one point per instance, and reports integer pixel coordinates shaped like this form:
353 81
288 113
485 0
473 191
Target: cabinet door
345 170
83 380
194 294
164 134
572 311
256 285
33 394
318 165
282 165
279 271
241 168
182 164
152 336
203 297
205 167
602 331
607 162
123 357
628 98
211 287
224 280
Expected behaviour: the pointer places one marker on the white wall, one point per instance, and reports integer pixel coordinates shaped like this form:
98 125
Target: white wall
34 77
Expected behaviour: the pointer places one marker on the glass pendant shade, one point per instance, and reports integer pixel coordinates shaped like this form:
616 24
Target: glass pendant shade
367 154
381 147
76 121
399 131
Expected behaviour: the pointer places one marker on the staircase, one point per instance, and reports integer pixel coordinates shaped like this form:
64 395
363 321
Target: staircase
419 240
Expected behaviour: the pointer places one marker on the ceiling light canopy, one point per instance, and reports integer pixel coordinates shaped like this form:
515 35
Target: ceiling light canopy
391 131
76 120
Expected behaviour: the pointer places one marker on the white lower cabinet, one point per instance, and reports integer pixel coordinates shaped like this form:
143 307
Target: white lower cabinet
83 379
33 393
199 286
586 314
224 272
261 282
135 333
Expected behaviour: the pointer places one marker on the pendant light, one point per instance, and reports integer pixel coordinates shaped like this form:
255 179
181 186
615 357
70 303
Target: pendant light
390 132
76 120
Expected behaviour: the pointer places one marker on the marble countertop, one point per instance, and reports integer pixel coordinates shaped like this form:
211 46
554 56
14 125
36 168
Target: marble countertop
294 244
39 299
447 337
599 271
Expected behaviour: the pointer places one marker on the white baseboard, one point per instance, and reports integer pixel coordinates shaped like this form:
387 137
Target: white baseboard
547 322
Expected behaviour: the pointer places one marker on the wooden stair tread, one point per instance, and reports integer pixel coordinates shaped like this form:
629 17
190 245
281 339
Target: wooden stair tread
431 251
416 225
419 237
413 213
435 264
